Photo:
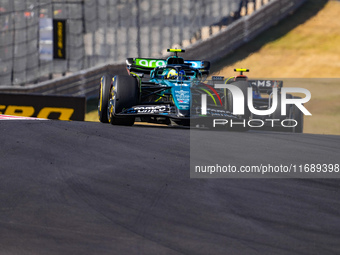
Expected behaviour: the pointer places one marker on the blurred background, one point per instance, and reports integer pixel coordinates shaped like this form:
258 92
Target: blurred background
298 40
97 32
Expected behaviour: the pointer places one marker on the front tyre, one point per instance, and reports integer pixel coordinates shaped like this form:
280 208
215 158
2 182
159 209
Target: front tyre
241 124
124 94
243 86
104 93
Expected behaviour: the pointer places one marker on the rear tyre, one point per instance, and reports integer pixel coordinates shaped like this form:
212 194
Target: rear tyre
298 117
292 112
277 113
104 93
124 94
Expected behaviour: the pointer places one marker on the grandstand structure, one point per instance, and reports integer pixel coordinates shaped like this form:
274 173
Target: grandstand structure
103 31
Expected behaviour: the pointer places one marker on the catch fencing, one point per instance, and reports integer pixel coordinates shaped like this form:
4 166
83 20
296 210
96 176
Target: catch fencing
100 31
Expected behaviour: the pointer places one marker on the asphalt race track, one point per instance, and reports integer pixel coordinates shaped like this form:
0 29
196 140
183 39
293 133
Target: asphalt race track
91 188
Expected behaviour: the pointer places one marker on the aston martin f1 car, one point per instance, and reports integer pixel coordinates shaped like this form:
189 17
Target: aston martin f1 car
161 90
173 91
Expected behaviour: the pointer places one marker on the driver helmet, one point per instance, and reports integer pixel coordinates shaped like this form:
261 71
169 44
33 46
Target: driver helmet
172 74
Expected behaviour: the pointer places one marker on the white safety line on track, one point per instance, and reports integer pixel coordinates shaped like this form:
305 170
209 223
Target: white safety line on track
9 117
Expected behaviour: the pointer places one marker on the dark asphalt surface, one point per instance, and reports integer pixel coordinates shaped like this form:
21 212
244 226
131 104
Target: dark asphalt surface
91 188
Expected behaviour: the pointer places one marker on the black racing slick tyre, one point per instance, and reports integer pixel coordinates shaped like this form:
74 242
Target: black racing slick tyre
297 115
124 94
104 93
277 113
243 86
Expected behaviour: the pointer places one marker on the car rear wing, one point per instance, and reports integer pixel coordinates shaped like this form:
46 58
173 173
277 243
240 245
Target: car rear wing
146 65
265 86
